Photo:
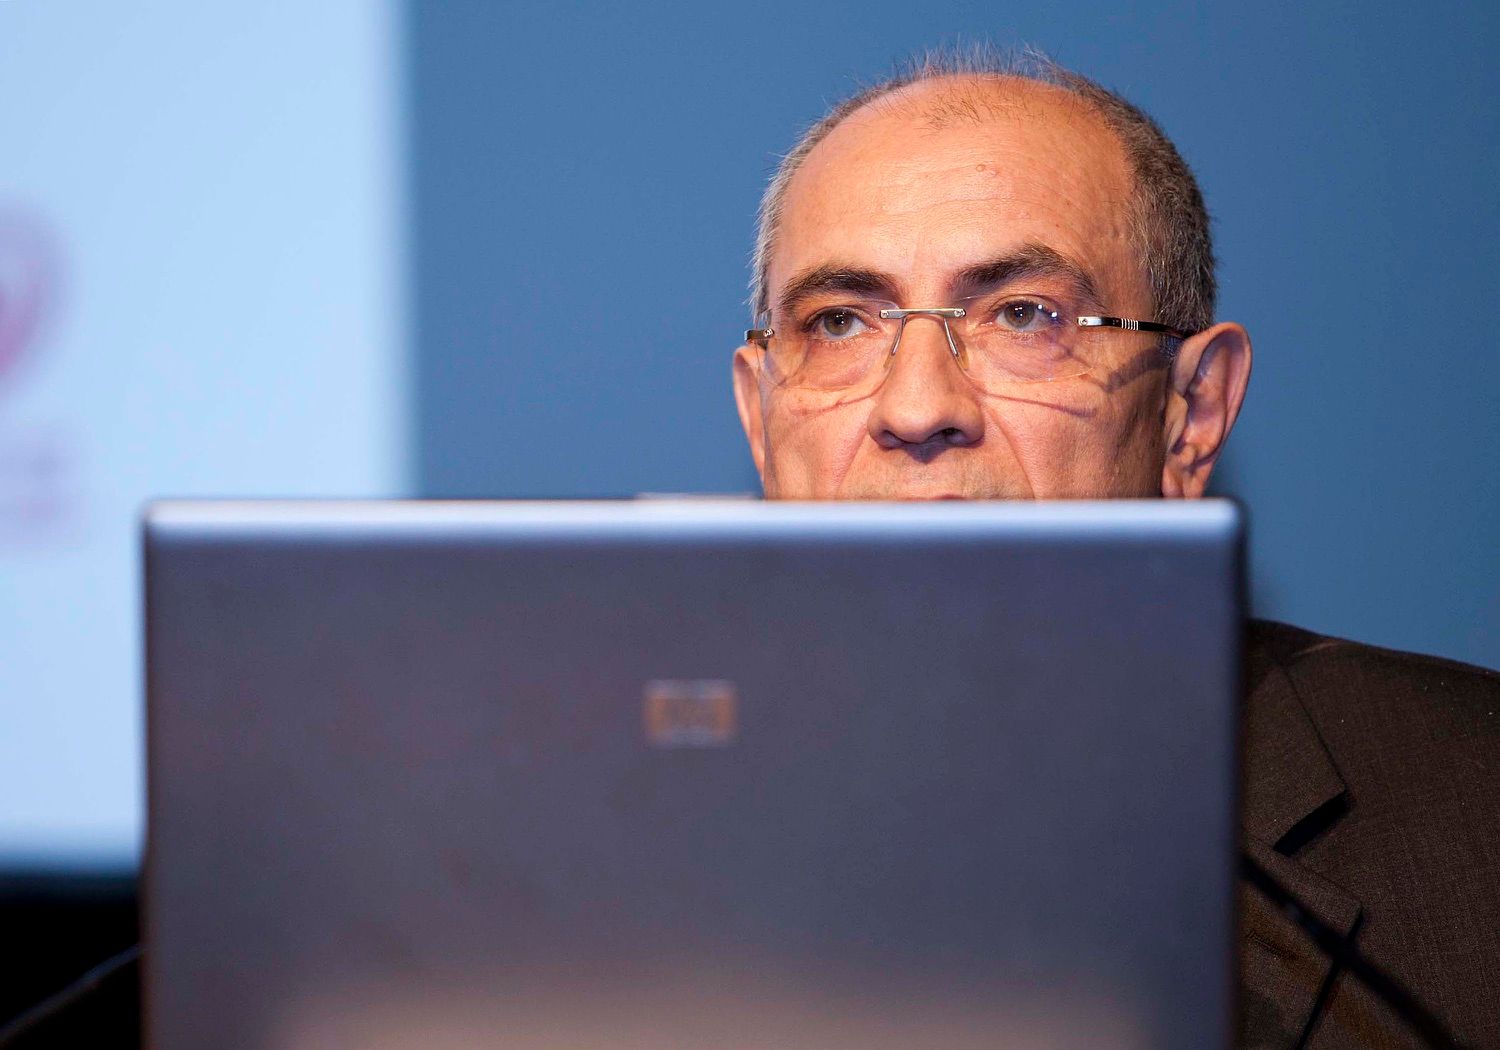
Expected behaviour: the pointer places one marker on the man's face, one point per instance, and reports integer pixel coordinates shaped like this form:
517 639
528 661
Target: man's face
889 193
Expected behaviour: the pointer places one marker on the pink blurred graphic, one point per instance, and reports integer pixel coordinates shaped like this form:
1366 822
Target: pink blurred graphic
37 500
28 286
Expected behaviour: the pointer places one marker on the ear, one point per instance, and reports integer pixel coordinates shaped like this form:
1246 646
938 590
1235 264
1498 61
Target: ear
747 398
1208 381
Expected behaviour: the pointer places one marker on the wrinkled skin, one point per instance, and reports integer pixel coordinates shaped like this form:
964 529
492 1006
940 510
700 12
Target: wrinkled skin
894 190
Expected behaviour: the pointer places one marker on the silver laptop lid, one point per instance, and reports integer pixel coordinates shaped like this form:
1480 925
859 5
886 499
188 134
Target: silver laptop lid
696 774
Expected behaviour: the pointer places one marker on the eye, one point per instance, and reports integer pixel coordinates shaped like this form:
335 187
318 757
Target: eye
838 323
1026 315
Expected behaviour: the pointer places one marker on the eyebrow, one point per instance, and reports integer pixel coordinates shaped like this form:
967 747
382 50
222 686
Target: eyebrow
819 280
1031 260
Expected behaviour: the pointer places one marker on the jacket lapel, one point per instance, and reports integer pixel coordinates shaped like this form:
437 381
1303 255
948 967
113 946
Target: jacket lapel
1291 789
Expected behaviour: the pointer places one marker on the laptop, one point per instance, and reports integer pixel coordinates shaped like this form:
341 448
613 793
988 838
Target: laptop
691 774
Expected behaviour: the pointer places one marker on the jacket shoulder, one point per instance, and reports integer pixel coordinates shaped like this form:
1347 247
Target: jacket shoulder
1333 674
1415 739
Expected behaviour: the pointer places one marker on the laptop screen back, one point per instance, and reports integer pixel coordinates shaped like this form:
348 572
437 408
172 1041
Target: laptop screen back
732 775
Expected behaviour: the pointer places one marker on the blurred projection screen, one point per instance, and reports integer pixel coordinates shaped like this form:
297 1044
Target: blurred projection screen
200 293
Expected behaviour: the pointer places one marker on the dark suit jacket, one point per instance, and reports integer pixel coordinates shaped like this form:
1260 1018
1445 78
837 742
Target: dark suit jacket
1372 792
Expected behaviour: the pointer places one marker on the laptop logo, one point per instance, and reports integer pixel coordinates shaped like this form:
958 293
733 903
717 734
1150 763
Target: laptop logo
694 712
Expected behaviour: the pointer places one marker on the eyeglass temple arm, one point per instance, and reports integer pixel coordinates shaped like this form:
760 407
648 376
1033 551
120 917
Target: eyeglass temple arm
1129 325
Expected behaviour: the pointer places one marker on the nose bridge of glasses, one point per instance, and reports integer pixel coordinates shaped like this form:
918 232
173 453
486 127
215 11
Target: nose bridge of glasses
941 314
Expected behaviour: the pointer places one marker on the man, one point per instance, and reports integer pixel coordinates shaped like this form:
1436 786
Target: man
984 281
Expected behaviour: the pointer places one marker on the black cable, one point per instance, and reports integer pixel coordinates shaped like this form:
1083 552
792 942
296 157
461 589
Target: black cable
53 1004
1346 957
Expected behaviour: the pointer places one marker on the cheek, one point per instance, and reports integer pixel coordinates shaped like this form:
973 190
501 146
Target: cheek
1049 444
1073 443
810 444
1121 456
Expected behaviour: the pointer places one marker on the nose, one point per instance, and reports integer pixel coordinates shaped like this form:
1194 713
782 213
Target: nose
925 402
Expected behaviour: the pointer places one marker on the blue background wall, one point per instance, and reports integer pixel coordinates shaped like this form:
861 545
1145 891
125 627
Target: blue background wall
584 179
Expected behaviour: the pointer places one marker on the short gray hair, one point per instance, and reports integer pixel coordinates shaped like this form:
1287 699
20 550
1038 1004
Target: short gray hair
1170 226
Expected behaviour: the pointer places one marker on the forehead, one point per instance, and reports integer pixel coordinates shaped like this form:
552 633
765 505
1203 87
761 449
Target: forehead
949 173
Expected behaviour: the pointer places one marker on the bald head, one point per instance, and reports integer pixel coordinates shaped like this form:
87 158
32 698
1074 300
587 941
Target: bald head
952 171
1166 217
940 102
